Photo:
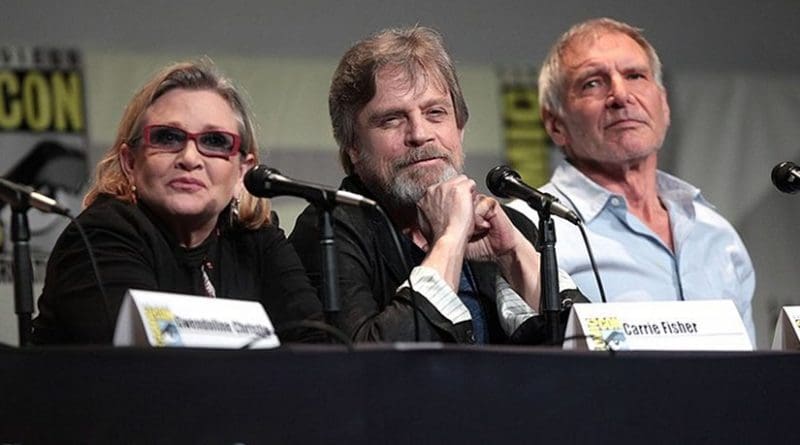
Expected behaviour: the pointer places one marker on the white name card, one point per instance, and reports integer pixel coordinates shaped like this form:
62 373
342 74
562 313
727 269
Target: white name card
787 329
708 325
164 319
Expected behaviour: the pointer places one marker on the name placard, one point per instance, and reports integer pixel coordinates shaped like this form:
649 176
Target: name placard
162 319
707 325
787 329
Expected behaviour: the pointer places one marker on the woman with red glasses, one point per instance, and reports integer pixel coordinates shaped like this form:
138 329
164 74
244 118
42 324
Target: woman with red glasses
168 211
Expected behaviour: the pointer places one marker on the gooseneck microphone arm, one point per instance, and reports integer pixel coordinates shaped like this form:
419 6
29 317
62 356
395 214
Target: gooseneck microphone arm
268 182
548 274
21 198
330 273
506 183
23 272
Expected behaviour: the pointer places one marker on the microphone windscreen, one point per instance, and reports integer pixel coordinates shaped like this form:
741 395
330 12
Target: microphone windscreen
784 179
495 180
253 178
256 179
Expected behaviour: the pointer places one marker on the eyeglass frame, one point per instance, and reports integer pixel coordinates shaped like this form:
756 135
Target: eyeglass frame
145 137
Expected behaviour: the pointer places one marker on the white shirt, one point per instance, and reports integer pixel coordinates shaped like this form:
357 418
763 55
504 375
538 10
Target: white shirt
709 262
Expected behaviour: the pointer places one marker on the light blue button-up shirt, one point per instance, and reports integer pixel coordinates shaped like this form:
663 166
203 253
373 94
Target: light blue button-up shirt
709 261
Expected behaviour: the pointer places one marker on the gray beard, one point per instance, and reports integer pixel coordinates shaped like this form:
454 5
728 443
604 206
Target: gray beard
407 188
404 191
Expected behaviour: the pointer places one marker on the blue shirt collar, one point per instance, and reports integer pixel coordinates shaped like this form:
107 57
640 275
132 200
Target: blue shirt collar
591 198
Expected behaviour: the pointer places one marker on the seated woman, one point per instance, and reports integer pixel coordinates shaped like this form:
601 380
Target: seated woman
168 212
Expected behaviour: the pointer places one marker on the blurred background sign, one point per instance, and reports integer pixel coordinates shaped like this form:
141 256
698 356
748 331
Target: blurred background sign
527 147
43 137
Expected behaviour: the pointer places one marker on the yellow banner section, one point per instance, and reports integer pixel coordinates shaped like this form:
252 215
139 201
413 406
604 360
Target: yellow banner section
526 142
41 91
40 101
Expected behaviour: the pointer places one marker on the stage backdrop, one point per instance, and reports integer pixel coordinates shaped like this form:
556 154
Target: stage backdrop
728 130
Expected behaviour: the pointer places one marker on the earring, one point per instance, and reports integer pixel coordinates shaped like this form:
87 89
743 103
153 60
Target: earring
234 213
133 194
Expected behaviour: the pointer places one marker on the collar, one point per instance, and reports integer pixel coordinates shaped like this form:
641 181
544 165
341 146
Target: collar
589 198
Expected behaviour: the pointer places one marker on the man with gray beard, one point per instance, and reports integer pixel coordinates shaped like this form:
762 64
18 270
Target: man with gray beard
398 115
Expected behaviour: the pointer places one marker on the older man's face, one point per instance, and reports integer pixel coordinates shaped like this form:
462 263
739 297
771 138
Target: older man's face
614 111
408 139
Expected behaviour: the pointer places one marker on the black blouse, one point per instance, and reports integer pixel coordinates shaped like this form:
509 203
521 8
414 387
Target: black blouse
135 251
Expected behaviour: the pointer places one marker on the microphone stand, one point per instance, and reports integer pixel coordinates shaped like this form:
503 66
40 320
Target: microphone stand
329 279
548 274
22 271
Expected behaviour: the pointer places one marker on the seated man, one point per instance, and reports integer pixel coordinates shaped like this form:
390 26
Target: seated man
654 236
398 115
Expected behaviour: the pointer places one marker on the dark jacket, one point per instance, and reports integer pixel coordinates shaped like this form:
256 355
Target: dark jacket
370 270
134 250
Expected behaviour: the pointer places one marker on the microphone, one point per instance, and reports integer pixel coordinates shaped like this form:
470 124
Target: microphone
18 195
506 183
266 182
786 177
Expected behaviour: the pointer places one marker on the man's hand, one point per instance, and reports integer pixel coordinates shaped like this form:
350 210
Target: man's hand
446 218
493 233
455 222
448 209
496 239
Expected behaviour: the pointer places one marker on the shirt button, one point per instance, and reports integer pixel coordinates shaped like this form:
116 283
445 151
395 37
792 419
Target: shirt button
616 201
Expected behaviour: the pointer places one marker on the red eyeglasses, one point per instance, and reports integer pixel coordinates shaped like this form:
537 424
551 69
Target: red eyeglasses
217 143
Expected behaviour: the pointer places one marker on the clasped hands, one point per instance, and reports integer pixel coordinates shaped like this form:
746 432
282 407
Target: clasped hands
457 223
475 222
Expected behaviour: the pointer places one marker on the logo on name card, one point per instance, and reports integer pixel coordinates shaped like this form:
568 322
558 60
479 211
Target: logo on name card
606 333
701 325
161 322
